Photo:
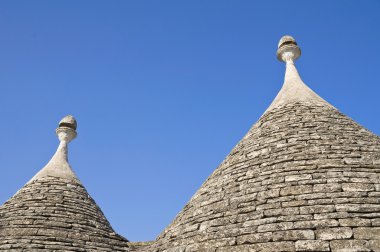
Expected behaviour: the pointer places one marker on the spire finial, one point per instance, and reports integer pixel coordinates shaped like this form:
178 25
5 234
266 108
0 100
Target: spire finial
293 89
66 130
58 165
288 50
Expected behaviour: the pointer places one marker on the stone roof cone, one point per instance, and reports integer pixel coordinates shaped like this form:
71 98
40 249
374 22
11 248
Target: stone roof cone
304 178
53 211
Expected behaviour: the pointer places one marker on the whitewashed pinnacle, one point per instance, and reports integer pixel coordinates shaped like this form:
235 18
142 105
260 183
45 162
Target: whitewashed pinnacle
293 89
58 165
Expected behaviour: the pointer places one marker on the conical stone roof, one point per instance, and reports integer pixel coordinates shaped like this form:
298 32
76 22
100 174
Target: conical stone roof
54 212
304 178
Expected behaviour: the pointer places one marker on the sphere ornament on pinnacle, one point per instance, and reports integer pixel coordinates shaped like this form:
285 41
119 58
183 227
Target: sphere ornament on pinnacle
68 121
288 50
66 130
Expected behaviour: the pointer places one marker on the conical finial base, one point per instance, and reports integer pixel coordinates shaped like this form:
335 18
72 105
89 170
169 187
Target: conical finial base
58 165
293 89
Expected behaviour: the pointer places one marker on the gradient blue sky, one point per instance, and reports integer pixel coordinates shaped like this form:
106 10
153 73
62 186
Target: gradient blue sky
162 90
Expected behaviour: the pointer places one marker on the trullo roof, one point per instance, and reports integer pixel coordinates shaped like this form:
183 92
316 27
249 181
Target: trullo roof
54 212
304 178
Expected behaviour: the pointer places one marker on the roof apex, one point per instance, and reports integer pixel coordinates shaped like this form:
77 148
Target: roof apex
58 166
293 89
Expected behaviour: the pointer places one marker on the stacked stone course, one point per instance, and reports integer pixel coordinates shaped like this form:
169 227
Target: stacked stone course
55 214
304 178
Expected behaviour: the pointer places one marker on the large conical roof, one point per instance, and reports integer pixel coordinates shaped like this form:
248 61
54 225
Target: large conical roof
304 178
54 212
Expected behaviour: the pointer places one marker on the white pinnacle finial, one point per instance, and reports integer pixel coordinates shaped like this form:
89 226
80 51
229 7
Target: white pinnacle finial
66 130
293 89
288 50
58 166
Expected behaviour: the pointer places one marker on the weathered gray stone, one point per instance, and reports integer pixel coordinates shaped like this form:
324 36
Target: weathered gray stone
354 222
315 224
350 246
375 245
327 188
272 246
268 194
281 211
337 215
357 187
275 227
254 238
367 233
312 245
317 209
376 222
294 203
334 233
358 208
293 235
297 177
295 190
263 247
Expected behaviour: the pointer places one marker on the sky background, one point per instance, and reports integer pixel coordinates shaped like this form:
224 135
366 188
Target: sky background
163 90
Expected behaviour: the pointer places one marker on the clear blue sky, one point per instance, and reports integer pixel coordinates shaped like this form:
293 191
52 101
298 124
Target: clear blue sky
162 90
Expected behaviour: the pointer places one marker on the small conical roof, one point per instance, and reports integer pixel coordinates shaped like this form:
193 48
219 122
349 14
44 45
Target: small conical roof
304 178
53 211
